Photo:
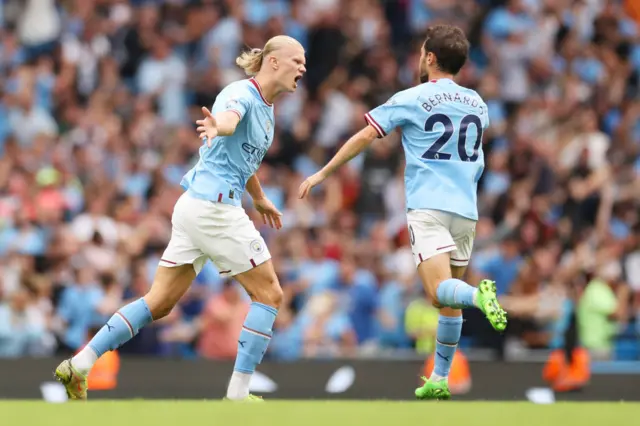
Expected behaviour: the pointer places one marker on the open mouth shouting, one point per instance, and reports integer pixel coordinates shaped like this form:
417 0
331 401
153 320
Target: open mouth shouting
295 81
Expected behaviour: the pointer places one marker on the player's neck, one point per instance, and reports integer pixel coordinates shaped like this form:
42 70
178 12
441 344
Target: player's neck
439 76
268 87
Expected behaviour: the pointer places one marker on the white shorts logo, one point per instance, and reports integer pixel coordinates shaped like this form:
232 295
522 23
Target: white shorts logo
256 246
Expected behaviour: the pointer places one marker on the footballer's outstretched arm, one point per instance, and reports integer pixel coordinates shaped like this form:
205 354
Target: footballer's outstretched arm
354 146
224 123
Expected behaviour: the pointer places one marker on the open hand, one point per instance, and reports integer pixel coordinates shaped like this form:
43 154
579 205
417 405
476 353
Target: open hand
207 127
309 183
270 214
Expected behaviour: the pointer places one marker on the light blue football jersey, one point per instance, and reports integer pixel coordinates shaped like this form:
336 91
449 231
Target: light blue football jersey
442 125
222 171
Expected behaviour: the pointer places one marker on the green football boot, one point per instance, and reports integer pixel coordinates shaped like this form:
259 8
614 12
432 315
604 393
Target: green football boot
74 382
488 304
433 390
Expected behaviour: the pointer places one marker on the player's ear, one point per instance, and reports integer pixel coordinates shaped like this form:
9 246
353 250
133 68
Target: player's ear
273 61
431 59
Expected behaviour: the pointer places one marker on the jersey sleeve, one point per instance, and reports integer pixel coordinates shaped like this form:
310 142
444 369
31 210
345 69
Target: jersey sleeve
485 118
394 113
237 100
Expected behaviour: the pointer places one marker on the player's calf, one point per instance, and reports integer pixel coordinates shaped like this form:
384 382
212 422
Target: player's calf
263 286
447 338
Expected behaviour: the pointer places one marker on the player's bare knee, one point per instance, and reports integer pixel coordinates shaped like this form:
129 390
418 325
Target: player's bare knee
262 285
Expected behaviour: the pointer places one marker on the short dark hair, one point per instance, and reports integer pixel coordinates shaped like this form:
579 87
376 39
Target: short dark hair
450 46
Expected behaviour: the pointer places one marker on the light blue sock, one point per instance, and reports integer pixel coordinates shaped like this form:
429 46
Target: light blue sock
254 337
121 327
447 338
455 293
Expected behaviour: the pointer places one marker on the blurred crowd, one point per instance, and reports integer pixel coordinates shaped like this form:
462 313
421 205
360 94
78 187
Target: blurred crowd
97 104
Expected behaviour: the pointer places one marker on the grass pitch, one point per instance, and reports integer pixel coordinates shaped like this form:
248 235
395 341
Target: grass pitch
314 413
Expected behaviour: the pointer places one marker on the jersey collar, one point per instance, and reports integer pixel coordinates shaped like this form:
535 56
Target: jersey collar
259 88
441 79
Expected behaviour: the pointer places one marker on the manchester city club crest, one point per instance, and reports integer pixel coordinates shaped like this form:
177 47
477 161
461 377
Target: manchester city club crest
256 246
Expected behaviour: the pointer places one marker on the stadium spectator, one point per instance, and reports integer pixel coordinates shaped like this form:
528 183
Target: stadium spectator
421 323
601 310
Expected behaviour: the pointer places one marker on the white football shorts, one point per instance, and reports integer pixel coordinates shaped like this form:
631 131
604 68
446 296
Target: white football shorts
204 229
433 232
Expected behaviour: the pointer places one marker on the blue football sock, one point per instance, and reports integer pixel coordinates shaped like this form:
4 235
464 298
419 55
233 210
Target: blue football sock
121 327
254 337
447 338
455 293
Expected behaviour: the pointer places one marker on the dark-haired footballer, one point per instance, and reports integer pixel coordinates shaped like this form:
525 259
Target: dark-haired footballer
442 125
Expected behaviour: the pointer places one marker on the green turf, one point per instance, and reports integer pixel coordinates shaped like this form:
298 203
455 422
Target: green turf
318 413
